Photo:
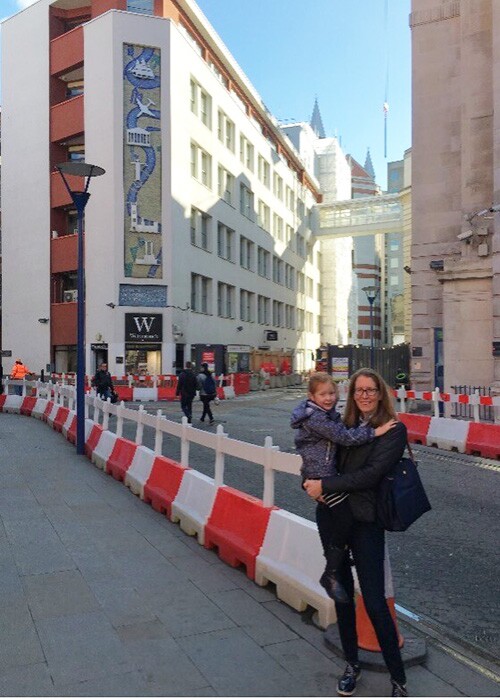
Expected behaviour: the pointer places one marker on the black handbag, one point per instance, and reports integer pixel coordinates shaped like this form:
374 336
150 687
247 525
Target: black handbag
401 497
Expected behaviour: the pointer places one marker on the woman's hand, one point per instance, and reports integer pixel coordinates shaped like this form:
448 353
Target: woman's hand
383 429
313 488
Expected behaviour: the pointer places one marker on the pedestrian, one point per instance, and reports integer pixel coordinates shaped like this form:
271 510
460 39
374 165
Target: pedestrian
360 470
186 389
19 371
103 383
208 392
318 431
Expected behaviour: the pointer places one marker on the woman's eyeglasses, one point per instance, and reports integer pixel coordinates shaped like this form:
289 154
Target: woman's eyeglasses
365 392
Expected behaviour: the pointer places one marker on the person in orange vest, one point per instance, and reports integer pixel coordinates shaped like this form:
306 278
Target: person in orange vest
19 371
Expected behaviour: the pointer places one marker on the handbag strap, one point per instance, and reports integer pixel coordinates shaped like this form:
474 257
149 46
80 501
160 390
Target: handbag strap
410 452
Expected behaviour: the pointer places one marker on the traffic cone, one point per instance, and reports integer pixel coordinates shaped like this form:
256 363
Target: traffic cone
367 639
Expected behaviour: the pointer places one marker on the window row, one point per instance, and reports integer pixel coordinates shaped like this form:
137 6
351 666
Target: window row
252 257
201 170
252 307
201 106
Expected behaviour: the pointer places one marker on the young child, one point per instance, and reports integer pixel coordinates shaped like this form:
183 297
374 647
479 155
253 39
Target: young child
319 429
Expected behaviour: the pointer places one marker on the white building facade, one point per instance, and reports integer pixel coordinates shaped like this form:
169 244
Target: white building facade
198 239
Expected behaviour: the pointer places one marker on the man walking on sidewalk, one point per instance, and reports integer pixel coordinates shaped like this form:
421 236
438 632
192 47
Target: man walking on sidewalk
186 389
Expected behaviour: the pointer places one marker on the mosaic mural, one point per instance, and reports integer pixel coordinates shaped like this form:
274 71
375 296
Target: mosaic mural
142 161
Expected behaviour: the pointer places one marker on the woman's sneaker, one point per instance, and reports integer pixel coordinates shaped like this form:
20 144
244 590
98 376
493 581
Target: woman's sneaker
347 682
398 690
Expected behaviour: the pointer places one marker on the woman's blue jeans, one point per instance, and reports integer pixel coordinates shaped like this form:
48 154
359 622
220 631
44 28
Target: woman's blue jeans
366 541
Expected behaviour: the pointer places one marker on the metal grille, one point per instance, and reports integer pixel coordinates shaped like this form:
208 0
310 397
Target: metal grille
465 410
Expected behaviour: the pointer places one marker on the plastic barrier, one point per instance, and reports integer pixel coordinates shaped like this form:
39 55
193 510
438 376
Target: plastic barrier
48 410
52 414
92 440
60 419
12 403
29 403
3 397
139 470
163 484
166 393
39 408
237 526
103 448
484 439
145 394
193 503
292 558
68 423
228 392
71 434
241 383
448 434
417 426
121 458
125 393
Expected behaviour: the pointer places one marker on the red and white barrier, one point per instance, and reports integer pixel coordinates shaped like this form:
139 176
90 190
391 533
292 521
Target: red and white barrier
292 558
237 526
140 470
193 504
163 484
103 448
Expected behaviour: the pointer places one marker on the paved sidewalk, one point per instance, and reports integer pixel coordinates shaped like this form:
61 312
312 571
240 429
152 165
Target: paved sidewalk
102 596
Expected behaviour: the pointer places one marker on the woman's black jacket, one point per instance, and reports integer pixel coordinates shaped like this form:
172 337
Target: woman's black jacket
361 468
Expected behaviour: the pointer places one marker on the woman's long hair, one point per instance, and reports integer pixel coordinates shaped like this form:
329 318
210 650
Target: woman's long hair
385 409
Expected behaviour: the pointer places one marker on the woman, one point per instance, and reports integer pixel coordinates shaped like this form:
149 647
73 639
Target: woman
360 470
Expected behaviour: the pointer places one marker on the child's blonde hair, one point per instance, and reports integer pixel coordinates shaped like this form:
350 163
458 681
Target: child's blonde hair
321 378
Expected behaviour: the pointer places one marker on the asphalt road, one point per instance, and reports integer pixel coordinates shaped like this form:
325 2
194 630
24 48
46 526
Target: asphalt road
445 568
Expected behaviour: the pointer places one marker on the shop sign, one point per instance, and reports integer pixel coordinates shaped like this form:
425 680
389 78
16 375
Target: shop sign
6 353
238 348
340 368
98 346
271 335
208 356
119 360
147 328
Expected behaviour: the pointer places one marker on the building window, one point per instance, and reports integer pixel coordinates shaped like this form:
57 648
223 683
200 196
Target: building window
300 282
278 319
264 220
225 185
278 270
300 245
200 293
246 253
246 305
278 186
226 130
289 277
289 316
309 287
264 172
263 310
247 156
225 242
225 300
300 319
142 7
290 199
201 165
263 262
201 103
278 227
74 88
246 202
200 227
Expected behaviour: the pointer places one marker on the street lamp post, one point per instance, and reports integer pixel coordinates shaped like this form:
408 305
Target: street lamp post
371 294
80 199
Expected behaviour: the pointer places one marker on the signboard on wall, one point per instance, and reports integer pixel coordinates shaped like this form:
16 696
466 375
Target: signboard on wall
208 356
143 328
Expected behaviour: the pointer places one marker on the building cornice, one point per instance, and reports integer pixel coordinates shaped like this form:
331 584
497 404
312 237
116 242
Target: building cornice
447 10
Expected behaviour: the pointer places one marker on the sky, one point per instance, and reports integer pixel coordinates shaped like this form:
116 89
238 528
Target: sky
352 55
